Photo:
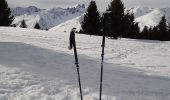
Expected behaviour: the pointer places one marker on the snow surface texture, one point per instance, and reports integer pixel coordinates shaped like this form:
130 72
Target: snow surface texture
46 18
36 65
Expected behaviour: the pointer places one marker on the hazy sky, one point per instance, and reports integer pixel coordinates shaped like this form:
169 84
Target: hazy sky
102 4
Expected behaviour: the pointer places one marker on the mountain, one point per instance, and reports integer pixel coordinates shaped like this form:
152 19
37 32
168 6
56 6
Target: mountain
150 16
50 18
139 11
46 18
21 11
143 15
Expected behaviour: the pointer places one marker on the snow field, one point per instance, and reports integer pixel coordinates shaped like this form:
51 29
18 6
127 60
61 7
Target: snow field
37 65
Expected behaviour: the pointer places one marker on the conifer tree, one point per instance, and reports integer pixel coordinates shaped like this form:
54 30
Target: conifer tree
134 31
129 27
150 30
5 14
162 28
155 33
37 26
145 32
91 23
168 32
106 24
23 24
116 9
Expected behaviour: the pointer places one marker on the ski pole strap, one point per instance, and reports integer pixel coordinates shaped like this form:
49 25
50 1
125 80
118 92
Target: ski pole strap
72 39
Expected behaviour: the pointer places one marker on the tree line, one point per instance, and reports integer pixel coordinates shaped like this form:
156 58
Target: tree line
115 23
6 17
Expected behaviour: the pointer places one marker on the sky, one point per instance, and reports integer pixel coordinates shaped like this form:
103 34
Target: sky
102 4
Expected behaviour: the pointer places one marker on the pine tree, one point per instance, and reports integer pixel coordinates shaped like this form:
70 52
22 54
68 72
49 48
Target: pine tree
23 24
91 23
145 32
162 27
134 31
168 32
129 27
5 14
116 9
37 26
155 33
106 24
150 30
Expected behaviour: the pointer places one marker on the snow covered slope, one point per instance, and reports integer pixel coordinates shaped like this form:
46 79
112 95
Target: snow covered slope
46 18
68 25
153 17
36 65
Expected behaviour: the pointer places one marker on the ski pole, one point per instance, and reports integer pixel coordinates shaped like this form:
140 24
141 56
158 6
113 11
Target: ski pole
101 77
105 23
73 45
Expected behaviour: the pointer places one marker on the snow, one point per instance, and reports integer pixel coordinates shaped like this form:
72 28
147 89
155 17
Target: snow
37 65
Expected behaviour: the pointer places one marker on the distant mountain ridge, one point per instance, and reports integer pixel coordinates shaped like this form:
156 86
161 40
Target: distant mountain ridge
46 18
29 10
143 15
56 16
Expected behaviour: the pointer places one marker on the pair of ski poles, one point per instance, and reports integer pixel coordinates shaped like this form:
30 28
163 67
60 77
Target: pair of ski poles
73 45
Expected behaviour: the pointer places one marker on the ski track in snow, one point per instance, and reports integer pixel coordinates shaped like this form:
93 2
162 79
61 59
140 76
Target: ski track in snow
36 65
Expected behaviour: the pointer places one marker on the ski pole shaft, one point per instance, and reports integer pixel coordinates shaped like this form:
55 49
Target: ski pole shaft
77 65
79 82
101 77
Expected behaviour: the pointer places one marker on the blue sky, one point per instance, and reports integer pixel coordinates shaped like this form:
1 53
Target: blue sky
102 4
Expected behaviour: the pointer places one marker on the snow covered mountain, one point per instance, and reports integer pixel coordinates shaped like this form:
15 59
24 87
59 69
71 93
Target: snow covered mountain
46 18
21 11
150 16
56 16
143 15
